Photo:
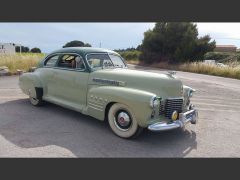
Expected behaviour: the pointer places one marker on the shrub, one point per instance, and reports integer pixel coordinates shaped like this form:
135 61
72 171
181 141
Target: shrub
174 42
36 50
130 55
223 56
23 61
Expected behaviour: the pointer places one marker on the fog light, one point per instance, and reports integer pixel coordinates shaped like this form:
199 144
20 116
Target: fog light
174 115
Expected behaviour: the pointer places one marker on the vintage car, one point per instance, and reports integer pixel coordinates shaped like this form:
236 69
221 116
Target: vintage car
97 82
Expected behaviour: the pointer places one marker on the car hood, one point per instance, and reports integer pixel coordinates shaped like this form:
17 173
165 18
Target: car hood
162 85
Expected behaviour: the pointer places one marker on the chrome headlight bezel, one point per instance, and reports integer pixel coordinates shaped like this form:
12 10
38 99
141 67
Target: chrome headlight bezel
155 101
190 92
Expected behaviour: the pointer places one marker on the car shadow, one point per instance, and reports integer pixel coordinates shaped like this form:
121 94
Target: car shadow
27 126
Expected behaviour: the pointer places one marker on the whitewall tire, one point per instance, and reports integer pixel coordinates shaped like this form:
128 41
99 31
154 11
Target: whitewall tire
123 122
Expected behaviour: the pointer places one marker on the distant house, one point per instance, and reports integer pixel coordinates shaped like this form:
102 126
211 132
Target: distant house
7 48
225 48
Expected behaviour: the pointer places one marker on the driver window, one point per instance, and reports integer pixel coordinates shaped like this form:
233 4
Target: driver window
71 61
51 62
99 60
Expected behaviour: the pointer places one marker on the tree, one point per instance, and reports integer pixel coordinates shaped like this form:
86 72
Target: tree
76 43
87 45
23 49
35 50
175 43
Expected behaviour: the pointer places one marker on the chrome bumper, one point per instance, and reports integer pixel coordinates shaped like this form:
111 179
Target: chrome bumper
184 118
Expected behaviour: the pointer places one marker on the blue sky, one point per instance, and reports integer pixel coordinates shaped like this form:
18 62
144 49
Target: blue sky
51 36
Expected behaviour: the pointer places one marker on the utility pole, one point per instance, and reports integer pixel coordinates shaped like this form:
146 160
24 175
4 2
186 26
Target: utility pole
100 45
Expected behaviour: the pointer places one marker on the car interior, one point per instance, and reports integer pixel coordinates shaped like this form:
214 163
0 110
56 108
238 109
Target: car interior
71 62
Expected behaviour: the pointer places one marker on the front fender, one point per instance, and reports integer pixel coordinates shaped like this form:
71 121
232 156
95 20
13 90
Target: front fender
187 94
137 100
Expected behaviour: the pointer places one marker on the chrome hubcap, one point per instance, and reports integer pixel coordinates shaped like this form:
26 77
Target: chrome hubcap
123 120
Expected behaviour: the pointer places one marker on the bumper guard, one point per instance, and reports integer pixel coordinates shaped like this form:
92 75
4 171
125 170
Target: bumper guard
184 118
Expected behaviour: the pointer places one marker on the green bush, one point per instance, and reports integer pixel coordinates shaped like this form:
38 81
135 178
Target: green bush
130 55
223 56
176 42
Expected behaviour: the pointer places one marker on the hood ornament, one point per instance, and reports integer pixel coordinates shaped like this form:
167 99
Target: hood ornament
172 74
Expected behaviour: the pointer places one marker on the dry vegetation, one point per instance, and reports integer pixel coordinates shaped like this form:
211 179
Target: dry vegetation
22 61
25 61
202 68
232 70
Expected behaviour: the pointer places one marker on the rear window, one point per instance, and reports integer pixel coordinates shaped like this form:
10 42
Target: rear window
51 62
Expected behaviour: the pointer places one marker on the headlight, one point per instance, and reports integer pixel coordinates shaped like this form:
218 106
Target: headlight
190 92
155 101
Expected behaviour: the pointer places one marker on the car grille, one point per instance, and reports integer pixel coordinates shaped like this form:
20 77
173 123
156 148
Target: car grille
170 105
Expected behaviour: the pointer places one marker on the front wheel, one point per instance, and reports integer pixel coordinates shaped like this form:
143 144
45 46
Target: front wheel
123 122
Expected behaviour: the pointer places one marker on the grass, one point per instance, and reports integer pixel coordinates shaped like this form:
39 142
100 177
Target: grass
231 71
25 61
22 61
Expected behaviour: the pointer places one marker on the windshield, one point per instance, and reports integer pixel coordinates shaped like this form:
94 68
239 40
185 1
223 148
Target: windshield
100 61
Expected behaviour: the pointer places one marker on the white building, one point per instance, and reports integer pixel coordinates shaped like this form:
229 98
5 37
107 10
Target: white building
7 48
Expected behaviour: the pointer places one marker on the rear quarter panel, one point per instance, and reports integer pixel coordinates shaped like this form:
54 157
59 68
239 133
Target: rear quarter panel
28 82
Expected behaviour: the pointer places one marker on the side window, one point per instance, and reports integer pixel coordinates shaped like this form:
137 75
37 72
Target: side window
71 61
51 62
99 60
117 61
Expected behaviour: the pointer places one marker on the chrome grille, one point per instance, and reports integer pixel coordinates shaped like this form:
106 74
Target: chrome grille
170 105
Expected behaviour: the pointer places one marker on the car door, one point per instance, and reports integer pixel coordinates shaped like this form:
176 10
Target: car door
47 74
70 81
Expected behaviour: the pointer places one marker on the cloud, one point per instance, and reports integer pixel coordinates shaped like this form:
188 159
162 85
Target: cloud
223 33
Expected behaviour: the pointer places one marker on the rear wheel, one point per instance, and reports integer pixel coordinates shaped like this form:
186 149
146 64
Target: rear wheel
35 97
35 101
123 122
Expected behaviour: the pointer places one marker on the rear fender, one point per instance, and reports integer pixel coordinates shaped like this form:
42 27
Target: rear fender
31 85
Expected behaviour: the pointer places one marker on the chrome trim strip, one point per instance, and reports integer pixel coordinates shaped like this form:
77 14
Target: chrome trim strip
175 97
100 107
108 81
95 103
95 108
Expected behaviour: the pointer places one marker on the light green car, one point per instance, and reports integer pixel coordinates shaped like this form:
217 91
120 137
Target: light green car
97 82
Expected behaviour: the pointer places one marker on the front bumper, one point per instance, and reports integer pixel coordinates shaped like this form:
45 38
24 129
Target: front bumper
184 118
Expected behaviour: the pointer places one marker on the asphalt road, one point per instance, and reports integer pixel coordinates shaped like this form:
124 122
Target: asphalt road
52 131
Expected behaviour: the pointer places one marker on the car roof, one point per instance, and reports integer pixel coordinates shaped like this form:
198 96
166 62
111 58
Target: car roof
83 50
